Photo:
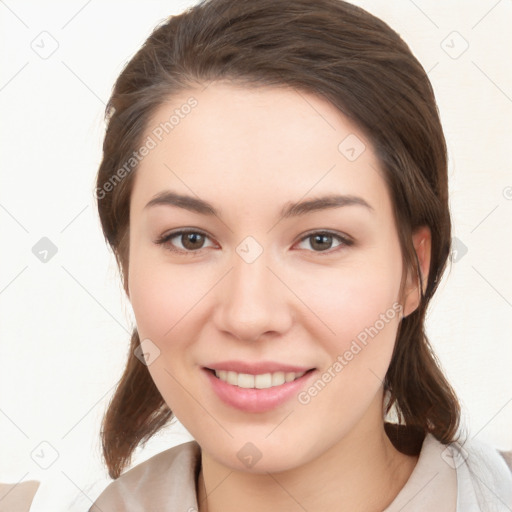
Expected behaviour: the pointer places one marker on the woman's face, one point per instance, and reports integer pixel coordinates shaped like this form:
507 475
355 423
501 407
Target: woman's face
269 281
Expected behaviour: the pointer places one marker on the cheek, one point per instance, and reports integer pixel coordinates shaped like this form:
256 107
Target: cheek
359 305
163 296
362 310
164 302
349 300
154 304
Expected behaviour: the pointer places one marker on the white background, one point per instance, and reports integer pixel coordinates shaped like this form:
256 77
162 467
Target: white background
65 323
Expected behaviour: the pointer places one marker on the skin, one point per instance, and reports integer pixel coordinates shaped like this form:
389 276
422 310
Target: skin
250 152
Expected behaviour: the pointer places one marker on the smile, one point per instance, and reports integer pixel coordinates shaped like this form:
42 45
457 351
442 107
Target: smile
257 392
260 381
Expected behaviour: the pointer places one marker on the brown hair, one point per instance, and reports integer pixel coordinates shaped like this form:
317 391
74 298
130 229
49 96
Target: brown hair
361 66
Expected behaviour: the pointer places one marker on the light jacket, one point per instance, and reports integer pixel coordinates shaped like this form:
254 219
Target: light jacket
473 477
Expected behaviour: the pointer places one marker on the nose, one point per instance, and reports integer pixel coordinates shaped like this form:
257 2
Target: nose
253 301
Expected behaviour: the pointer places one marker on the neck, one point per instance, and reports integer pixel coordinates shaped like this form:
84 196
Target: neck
362 471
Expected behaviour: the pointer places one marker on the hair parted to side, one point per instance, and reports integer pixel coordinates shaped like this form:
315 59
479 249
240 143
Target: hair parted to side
361 66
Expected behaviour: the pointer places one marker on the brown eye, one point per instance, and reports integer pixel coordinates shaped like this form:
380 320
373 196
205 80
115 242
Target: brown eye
321 242
184 241
324 241
192 241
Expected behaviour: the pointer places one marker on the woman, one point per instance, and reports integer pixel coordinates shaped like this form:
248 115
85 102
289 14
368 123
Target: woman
274 188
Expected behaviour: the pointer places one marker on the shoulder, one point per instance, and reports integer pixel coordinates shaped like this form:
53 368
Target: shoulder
165 482
483 475
469 474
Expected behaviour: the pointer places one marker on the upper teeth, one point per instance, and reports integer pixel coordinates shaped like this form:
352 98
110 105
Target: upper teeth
262 381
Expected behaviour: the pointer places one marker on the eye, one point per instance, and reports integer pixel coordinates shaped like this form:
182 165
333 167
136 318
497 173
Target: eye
322 241
184 241
192 241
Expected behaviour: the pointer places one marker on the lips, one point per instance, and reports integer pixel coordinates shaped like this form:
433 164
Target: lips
253 399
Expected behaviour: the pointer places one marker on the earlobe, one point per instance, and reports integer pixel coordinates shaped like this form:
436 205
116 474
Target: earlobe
422 242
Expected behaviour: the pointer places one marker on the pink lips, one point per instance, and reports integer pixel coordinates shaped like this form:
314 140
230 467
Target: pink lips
256 400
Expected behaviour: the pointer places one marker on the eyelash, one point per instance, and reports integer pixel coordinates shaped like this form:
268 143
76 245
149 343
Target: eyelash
165 241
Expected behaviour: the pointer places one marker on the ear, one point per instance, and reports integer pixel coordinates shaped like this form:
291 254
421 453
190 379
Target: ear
422 242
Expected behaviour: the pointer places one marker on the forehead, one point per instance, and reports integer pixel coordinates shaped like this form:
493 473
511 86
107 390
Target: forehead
254 145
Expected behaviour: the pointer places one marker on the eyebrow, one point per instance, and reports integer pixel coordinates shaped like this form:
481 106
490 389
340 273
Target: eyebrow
196 205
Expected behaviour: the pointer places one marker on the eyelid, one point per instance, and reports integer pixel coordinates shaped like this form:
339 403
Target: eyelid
165 240
345 240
